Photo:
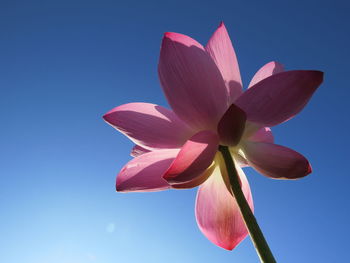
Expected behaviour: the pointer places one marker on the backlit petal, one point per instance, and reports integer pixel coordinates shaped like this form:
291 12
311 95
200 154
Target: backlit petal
264 134
265 71
145 172
200 179
149 125
276 161
222 52
191 81
217 213
279 97
194 158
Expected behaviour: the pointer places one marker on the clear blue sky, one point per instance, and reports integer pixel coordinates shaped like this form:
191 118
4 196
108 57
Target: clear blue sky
63 64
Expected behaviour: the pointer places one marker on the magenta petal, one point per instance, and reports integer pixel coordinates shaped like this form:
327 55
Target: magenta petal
191 81
279 97
144 173
217 213
265 71
222 52
276 161
200 179
194 158
231 126
138 150
264 134
149 125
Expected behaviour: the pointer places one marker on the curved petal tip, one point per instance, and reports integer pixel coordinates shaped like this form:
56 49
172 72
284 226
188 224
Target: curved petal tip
194 158
279 97
217 212
144 173
276 161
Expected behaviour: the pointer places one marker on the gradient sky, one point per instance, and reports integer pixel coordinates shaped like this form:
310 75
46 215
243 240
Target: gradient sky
63 64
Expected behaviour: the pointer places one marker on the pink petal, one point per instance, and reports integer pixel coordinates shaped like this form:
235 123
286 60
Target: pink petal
231 126
138 150
191 81
194 158
221 50
264 134
217 213
149 125
144 173
279 97
200 179
276 161
265 71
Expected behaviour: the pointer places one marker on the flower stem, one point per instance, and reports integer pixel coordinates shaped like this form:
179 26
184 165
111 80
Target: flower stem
256 235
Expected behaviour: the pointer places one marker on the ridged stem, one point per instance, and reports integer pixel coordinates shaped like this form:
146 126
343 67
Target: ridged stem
255 232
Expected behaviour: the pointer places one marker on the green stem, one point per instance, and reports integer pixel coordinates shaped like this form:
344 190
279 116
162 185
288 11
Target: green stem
256 235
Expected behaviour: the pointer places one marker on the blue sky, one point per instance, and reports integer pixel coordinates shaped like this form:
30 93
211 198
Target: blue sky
65 63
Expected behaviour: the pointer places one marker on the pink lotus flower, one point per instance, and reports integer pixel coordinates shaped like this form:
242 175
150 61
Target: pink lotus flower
178 148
